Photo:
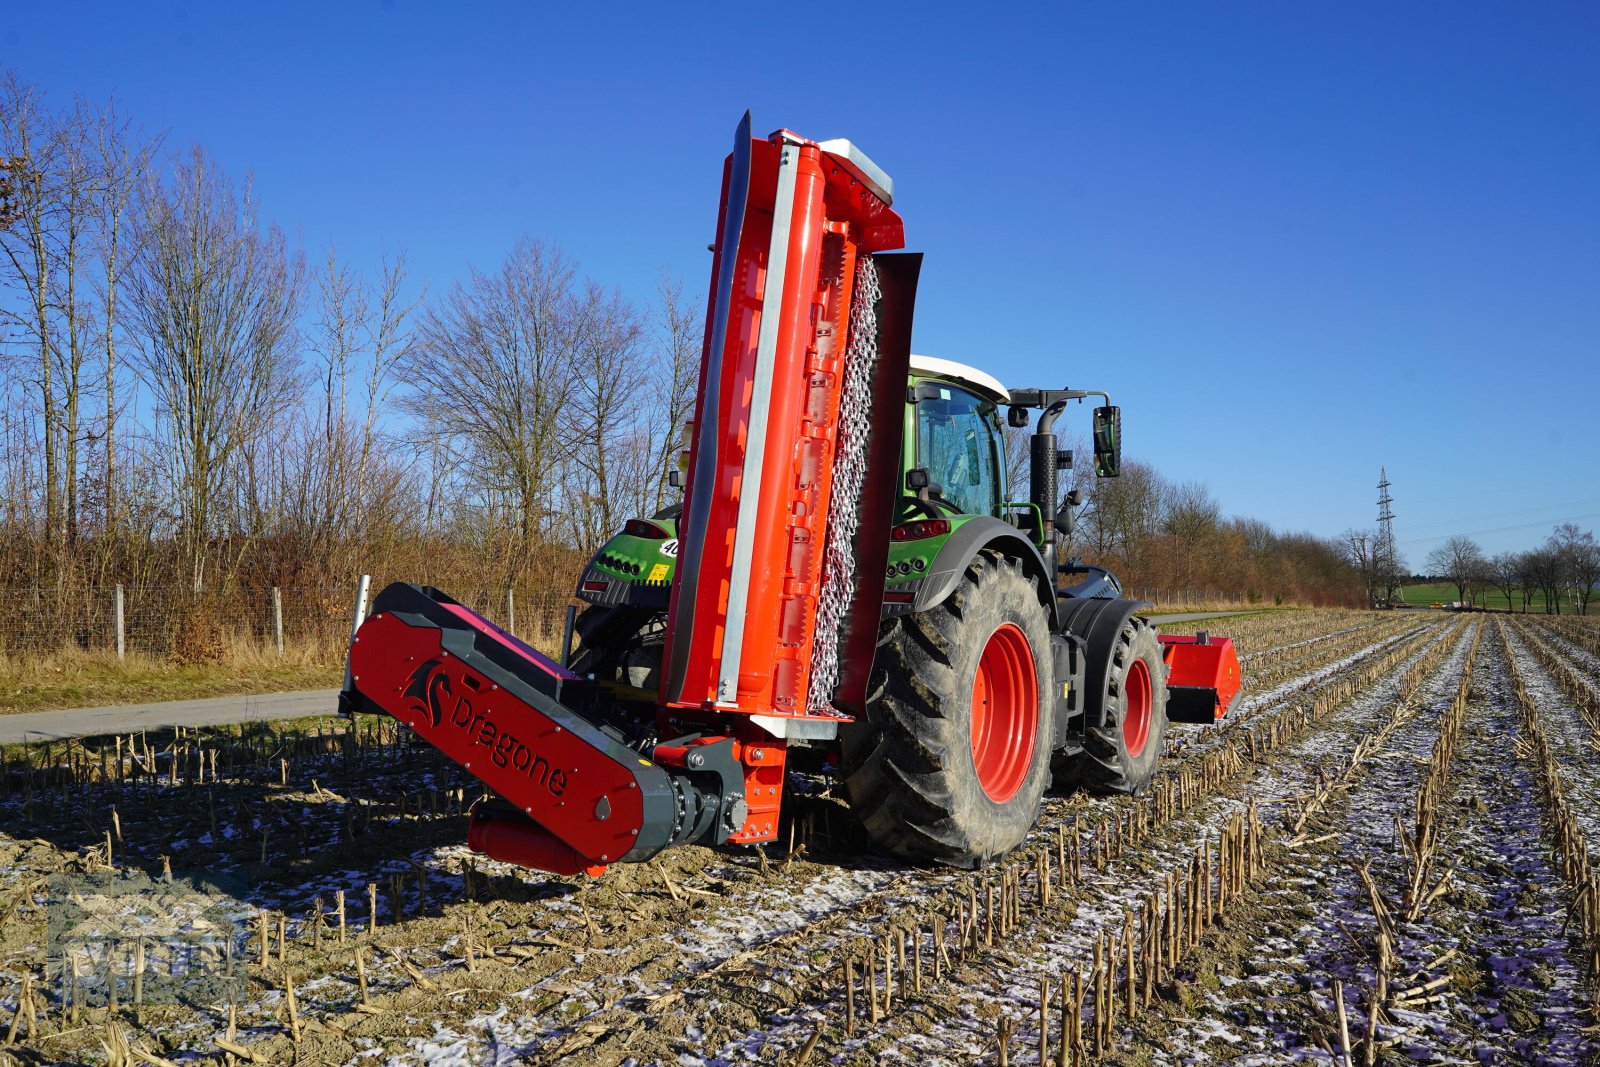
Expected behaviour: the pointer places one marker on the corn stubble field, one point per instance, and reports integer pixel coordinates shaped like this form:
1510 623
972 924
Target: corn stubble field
1382 856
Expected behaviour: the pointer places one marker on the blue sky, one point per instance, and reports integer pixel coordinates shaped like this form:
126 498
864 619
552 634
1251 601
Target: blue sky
1296 242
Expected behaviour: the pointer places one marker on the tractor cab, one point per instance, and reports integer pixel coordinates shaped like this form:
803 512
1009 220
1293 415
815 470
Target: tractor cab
952 440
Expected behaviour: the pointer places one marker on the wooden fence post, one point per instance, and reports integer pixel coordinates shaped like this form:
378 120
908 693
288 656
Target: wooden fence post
122 635
277 619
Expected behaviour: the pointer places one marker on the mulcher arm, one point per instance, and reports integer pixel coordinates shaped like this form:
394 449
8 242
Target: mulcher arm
527 729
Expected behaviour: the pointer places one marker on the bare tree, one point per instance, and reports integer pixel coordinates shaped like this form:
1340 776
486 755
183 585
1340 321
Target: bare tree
72 173
356 343
1361 549
1191 518
1460 561
1530 572
123 158
1126 511
1546 575
489 368
70 340
214 301
33 154
678 327
1391 572
1578 556
1192 514
603 410
387 337
1503 572
1015 454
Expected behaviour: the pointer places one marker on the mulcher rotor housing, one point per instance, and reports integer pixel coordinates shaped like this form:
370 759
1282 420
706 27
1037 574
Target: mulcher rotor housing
815 556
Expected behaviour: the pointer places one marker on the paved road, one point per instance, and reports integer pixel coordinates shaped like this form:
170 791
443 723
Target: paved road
213 711
1194 616
128 718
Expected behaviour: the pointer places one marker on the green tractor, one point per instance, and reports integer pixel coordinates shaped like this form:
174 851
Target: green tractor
1000 667
850 582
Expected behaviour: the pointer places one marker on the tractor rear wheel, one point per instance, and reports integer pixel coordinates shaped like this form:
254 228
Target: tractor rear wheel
955 753
1120 755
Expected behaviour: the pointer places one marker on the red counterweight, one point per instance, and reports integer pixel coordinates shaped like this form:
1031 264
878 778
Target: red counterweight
1202 676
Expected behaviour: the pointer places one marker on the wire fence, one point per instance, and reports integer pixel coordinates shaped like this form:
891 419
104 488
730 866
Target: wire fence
1204 599
168 621
163 622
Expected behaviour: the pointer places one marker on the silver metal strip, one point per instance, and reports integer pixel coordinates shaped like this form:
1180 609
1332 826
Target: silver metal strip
360 617
755 453
799 729
692 531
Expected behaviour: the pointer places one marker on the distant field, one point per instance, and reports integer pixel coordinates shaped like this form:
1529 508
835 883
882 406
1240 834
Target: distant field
1443 592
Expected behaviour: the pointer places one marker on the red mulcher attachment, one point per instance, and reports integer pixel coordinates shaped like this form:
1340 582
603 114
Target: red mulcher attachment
575 797
801 223
1202 676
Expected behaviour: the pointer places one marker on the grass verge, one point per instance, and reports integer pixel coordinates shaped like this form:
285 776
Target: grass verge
74 678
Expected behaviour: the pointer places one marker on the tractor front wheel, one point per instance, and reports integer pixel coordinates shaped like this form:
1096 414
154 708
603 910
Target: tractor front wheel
955 753
1120 754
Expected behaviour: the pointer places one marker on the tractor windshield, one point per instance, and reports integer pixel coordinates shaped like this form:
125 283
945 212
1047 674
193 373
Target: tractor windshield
955 443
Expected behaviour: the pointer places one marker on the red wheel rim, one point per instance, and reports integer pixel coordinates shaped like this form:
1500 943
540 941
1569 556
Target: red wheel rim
1136 712
1005 713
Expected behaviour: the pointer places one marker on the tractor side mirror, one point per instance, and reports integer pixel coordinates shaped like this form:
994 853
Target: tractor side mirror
1107 441
1017 417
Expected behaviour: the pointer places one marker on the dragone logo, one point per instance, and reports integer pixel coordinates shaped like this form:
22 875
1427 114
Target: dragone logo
428 691
431 692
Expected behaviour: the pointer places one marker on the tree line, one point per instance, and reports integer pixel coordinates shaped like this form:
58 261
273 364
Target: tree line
1158 533
190 400
1564 569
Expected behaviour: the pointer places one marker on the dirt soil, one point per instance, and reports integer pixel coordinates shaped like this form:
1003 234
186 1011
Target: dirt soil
706 956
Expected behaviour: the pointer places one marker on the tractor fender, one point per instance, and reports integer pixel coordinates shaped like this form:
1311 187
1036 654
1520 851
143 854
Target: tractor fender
1097 583
1098 621
970 538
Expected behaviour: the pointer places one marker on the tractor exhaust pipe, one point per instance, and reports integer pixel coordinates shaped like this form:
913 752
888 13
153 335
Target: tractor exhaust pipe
1042 485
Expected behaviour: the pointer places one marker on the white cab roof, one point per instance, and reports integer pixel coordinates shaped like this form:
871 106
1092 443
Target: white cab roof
985 385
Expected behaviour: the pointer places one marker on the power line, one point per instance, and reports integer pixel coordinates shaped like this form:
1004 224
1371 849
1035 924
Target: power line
1503 529
1498 513
1560 486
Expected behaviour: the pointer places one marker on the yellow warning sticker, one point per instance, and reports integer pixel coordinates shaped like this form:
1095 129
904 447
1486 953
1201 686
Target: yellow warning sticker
658 572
